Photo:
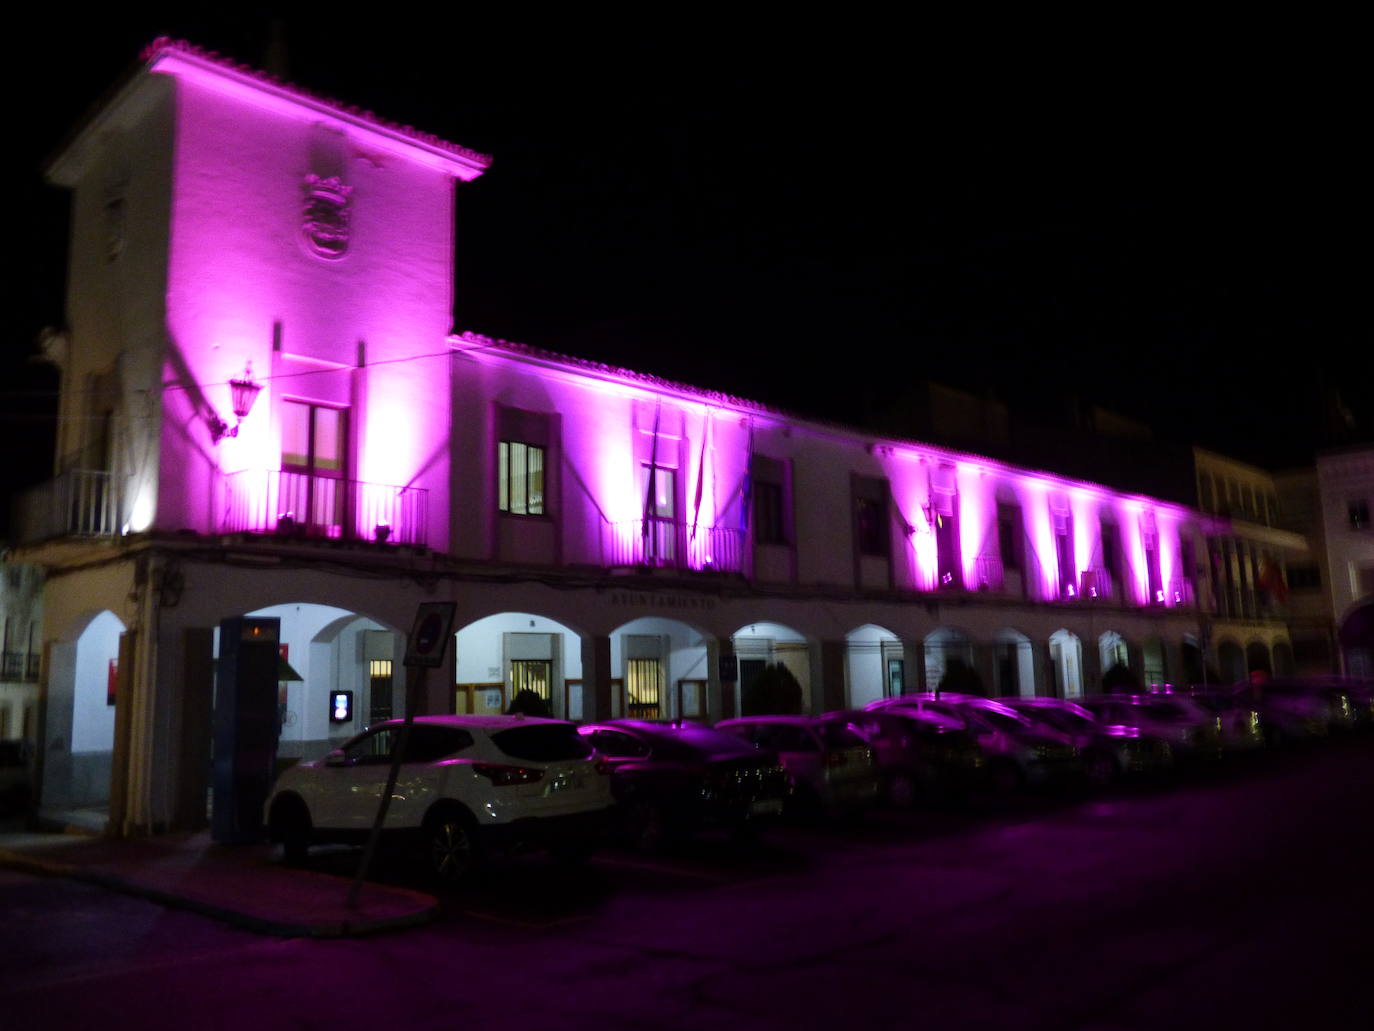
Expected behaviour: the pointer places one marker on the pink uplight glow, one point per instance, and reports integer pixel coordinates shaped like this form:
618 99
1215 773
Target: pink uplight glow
359 331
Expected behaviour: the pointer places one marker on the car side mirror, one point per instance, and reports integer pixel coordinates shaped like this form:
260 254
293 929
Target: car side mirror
336 758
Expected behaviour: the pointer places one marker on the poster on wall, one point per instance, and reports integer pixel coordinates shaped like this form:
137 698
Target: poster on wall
112 682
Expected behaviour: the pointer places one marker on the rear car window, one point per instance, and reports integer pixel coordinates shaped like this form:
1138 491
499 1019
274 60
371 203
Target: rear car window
1165 713
426 744
543 742
840 735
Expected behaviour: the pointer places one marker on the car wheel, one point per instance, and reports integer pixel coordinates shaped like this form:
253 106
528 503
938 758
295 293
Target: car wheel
1100 770
290 825
1005 779
451 846
646 824
902 791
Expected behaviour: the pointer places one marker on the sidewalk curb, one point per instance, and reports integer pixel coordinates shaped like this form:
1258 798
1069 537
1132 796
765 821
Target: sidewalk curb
236 918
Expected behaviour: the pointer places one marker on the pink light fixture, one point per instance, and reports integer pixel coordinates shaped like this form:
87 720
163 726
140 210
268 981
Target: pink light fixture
243 392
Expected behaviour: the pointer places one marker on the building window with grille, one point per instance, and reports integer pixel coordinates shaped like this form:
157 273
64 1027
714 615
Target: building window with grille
380 691
520 478
643 689
534 675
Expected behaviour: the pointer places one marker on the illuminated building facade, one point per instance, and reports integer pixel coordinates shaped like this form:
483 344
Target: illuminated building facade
266 411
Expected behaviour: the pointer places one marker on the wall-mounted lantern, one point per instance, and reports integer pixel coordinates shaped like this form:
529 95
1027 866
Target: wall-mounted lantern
243 393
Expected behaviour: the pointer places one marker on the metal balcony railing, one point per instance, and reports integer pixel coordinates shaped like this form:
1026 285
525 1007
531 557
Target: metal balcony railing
77 503
19 666
1095 583
299 504
669 544
988 574
1182 592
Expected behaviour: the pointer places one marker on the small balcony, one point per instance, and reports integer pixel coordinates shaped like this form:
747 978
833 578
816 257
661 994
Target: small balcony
668 544
1096 583
1182 593
18 667
988 574
297 504
78 503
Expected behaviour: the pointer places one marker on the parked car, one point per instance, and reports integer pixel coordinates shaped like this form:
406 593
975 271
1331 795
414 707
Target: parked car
669 780
1109 752
832 768
1019 753
469 786
921 757
16 779
1239 721
1192 731
1300 709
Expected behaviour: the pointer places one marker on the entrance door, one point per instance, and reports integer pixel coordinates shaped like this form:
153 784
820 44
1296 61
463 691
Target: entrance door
643 689
749 672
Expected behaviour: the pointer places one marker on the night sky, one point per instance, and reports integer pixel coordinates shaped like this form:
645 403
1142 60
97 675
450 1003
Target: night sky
819 215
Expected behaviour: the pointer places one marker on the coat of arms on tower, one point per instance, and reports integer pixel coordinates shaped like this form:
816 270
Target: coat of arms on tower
326 215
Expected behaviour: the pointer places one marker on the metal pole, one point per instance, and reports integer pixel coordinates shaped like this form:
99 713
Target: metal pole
415 684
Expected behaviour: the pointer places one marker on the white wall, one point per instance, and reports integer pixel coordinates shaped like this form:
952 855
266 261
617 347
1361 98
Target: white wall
92 719
865 666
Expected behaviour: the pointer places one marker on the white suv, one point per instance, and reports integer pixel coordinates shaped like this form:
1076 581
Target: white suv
468 785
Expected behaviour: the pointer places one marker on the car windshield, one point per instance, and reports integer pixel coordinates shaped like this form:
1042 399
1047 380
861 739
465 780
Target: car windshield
1002 719
839 735
1163 712
543 742
687 742
1060 719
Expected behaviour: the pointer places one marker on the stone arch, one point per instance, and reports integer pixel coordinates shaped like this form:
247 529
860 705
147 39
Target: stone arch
759 645
944 646
661 668
84 679
875 665
1257 658
1066 660
330 650
1013 663
500 654
1230 661
1284 664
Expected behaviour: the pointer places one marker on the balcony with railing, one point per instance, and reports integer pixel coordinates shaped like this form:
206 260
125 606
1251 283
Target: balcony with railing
668 544
77 503
298 504
1096 584
19 666
988 574
1182 593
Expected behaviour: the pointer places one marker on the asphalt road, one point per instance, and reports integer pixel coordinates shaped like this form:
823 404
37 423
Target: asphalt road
1244 899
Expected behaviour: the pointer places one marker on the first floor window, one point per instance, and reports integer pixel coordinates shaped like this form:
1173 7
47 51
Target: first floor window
768 514
520 471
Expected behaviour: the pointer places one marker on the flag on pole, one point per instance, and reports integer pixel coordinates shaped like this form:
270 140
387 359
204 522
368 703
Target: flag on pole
650 490
746 484
701 473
